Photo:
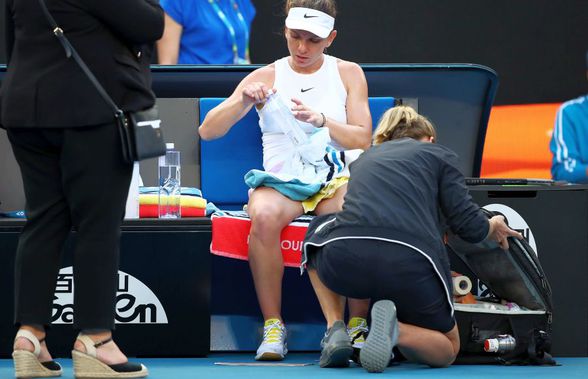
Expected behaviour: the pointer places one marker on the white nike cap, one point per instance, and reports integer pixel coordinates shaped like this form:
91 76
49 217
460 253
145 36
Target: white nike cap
311 20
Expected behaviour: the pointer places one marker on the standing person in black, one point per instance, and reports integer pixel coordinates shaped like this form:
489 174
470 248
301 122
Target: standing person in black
67 145
386 244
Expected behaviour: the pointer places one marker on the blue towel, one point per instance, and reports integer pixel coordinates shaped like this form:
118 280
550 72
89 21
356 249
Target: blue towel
213 209
334 164
294 188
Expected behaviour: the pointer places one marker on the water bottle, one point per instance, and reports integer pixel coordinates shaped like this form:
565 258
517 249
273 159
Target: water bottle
501 344
279 112
169 183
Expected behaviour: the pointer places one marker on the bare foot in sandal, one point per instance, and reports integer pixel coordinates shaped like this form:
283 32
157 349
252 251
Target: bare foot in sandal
30 356
108 352
97 356
23 343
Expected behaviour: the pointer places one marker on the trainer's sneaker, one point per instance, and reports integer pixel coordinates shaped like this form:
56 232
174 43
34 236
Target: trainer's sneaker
336 346
357 329
273 347
377 349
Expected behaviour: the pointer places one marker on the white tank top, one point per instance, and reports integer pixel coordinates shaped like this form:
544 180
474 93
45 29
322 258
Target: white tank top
323 91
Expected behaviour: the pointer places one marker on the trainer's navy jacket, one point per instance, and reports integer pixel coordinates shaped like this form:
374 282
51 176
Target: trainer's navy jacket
43 88
569 142
397 192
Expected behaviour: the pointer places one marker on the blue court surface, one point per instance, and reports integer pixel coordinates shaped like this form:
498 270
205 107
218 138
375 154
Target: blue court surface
306 366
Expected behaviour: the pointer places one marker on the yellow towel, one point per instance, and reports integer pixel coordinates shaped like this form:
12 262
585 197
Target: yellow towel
327 192
185 200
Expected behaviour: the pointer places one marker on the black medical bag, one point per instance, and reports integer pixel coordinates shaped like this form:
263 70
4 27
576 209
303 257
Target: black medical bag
517 302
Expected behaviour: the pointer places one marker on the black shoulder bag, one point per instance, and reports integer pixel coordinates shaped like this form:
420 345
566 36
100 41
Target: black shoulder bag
140 132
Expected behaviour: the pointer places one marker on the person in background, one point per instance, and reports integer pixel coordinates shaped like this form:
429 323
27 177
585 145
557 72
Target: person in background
387 242
67 145
327 92
569 140
206 32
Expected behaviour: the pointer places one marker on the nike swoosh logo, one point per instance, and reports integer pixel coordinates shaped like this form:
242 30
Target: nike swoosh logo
305 90
309 16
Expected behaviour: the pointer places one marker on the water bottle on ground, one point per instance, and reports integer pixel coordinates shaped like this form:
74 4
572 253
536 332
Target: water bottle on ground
169 183
501 344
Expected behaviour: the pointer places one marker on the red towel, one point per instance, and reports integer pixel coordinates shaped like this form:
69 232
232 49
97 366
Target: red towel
230 237
151 211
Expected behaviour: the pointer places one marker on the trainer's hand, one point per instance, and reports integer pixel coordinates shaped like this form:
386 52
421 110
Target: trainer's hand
499 232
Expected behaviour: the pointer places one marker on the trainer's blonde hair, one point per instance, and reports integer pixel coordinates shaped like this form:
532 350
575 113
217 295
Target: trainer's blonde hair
403 121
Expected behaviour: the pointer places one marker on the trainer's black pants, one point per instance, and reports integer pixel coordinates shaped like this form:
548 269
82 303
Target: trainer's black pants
72 177
376 269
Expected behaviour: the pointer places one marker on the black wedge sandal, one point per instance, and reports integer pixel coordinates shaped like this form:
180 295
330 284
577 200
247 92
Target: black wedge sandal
27 364
86 365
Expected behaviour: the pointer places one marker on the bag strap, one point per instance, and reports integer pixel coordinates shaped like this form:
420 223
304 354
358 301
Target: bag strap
70 51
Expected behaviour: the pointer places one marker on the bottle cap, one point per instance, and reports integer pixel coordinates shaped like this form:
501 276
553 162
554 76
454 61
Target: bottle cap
169 145
491 345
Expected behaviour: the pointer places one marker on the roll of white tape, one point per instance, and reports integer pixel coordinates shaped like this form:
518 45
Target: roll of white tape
461 285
